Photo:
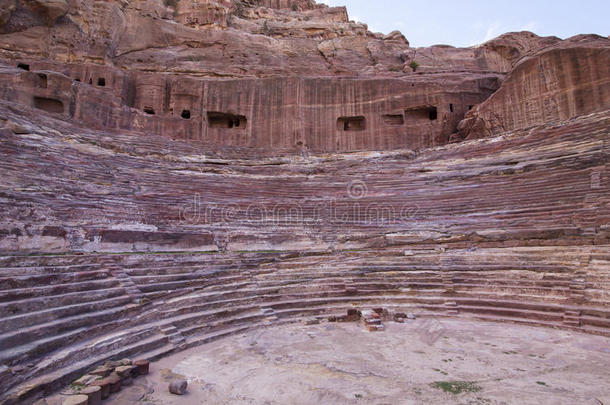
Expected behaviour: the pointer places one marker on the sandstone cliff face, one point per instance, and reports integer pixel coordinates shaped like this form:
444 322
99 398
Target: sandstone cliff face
272 156
186 70
560 82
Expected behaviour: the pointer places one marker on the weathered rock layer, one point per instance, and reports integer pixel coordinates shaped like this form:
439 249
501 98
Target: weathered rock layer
174 172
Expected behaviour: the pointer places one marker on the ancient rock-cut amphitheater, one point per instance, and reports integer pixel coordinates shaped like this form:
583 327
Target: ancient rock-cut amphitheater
178 173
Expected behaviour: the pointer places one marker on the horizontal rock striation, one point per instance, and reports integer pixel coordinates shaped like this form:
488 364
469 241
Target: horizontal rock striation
513 228
174 172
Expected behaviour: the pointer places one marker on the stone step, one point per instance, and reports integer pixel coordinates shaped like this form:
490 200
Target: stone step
93 346
48 270
29 319
32 292
28 305
571 322
572 313
35 280
597 321
513 313
168 329
152 348
18 337
43 345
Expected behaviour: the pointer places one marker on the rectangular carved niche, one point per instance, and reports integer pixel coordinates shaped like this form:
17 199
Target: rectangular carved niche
226 120
393 119
42 81
49 105
351 123
421 113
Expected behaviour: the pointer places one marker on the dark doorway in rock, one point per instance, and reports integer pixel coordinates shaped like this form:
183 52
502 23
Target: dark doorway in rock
186 114
49 105
149 110
421 113
42 81
101 82
393 119
451 107
23 66
226 120
357 123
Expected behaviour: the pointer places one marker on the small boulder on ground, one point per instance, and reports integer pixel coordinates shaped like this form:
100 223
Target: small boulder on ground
178 387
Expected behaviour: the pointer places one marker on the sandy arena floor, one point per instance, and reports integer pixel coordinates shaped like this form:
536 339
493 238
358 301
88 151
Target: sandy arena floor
411 363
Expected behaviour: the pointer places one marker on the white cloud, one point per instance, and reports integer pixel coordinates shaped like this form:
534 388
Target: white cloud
493 30
496 28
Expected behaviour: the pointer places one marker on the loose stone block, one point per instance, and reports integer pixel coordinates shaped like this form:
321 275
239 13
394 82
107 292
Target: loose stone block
124 371
125 362
178 387
115 383
76 400
94 393
87 379
112 364
101 371
352 315
143 366
312 321
104 385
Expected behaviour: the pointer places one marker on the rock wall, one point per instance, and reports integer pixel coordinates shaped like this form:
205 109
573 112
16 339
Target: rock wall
279 113
120 192
178 171
513 229
192 70
553 86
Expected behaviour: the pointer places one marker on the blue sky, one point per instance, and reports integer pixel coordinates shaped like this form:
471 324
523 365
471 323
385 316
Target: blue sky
471 22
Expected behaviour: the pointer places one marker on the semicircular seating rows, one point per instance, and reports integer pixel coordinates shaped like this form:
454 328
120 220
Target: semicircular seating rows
512 229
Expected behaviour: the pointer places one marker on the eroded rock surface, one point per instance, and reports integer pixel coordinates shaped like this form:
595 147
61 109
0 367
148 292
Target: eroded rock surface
193 69
175 172
559 82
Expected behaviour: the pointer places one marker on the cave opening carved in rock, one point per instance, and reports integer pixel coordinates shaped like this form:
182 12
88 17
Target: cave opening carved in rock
357 123
49 105
421 113
393 119
42 81
226 120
